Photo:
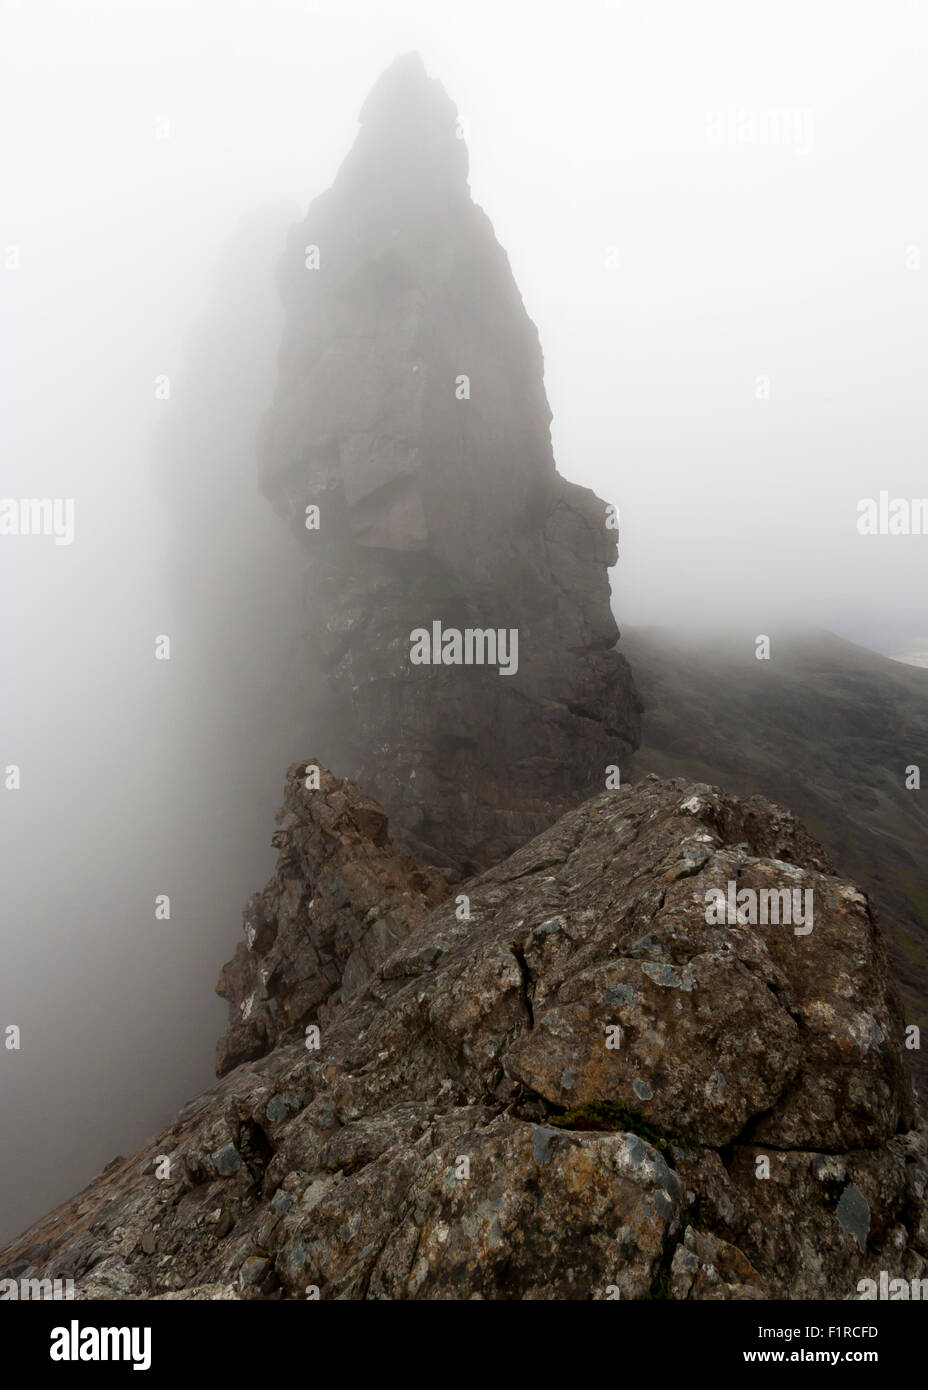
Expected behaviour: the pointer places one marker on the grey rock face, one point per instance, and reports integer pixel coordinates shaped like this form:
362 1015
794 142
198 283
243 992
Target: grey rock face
828 729
340 900
467 1126
411 411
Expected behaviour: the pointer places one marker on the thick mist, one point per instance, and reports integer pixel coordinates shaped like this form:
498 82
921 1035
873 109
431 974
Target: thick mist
717 218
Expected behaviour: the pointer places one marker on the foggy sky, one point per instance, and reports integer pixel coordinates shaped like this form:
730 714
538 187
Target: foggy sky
693 197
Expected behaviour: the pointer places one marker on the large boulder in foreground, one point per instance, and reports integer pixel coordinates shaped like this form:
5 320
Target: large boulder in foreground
567 1081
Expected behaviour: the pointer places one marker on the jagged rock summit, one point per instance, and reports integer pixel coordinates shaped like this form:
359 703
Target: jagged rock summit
563 1077
463 1129
411 411
340 900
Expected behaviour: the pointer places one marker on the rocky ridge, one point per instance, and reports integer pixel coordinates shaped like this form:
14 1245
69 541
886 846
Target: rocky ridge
463 1130
340 900
557 1077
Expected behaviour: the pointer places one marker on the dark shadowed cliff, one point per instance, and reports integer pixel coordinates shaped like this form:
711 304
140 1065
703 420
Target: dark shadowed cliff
411 411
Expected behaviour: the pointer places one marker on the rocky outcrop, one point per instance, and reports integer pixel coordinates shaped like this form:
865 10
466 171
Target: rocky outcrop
411 411
568 1080
827 728
340 900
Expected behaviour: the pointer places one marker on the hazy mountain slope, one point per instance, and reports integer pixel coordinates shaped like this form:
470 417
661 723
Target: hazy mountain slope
824 726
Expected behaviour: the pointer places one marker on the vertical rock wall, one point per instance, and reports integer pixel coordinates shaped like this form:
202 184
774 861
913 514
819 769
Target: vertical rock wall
411 411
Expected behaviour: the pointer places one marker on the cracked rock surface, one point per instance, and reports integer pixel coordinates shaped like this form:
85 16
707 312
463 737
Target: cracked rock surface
559 1082
340 899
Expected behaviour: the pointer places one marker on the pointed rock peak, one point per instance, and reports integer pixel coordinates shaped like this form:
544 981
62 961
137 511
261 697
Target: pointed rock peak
409 132
405 91
411 407
405 81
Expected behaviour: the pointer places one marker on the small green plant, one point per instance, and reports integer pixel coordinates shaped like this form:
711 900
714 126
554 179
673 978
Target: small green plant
614 1116
660 1284
347 1165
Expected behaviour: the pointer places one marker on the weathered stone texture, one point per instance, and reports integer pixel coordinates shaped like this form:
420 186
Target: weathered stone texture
464 1131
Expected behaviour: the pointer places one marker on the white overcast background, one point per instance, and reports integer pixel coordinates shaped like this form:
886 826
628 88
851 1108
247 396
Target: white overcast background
666 270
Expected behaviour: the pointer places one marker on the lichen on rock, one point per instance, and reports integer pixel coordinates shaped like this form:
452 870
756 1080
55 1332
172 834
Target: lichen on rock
444 1140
